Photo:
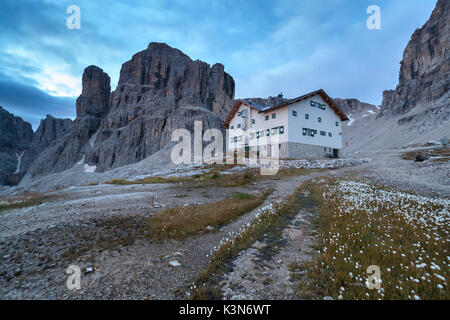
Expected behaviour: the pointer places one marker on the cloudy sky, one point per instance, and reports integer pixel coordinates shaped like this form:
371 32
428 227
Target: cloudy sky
268 46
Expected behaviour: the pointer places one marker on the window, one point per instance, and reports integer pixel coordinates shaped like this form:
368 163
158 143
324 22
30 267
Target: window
240 138
274 115
257 135
239 113
340 133
306 116
239 125
281 129
253 121
266 118
232 127
317 105
268 132
323 133
279 146
330 134
252 136
274 131
235 139
309 132
319 119
337 124
294 113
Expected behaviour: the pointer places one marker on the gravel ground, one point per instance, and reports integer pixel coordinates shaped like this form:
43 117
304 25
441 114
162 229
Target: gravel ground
428 177
102 227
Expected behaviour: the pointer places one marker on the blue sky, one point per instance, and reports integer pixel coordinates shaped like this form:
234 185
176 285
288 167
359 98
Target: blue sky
268 46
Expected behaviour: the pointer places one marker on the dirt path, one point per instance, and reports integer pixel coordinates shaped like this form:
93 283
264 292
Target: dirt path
265 270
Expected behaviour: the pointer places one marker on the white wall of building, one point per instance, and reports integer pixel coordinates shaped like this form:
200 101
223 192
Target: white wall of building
328 124
293 126
261 124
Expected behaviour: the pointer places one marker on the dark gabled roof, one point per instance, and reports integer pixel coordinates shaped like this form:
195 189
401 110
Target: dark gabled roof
264 108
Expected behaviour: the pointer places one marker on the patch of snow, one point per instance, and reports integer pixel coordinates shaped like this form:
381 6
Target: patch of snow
89 169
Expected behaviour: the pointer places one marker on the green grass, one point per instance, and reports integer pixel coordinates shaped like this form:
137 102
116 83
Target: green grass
362 224
182 222
148 180
25 201
242 196
215 177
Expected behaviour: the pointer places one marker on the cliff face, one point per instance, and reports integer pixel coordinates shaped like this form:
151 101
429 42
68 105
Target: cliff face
15 136
352 106
15 133
425 69
270 101
91 105
163 78
50 129
160 89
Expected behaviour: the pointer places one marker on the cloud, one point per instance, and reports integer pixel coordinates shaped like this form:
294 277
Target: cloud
31 103
267 46
331 49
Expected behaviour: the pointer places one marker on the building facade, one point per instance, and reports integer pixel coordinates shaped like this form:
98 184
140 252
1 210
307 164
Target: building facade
309 126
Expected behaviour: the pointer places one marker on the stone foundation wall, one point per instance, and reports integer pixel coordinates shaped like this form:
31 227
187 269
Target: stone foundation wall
300 150
292 150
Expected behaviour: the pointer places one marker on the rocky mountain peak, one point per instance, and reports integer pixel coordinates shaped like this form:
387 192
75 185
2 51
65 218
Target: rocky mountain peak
352 106
162 77
160 89
94 98
15 133
424 72
269 101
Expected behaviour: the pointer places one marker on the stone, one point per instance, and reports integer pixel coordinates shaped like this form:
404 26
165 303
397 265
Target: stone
88 270
174 263
421 158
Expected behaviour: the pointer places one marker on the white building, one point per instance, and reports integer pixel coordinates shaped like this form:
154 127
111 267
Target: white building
309 126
